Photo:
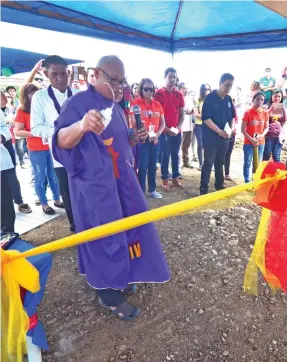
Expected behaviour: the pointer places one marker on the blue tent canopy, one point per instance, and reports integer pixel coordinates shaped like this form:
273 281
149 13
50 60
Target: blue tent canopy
171 26
21 61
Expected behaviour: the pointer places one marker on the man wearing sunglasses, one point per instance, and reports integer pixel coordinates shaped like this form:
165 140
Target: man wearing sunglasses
92 141
218 115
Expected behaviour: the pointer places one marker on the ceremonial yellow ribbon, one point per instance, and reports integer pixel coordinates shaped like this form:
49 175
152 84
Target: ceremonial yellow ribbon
17 271
14 320
134 221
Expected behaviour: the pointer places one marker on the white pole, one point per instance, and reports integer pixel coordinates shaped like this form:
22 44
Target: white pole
34 352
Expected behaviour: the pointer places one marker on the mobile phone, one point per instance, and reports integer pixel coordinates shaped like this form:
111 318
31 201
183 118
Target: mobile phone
78 73
7 239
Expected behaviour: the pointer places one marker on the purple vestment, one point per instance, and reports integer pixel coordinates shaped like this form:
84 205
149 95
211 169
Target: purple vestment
104 188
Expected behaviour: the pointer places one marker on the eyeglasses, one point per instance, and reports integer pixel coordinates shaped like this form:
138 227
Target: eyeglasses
207 89
115 82
38 79
145 89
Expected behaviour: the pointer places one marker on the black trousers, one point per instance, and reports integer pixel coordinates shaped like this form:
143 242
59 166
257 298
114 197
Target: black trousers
65 193
214 153
7 206
228 155
15 186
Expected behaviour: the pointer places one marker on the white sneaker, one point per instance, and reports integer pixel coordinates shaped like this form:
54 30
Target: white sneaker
155 195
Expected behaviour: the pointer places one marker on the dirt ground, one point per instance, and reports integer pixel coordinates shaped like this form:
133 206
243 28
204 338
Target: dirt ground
201 315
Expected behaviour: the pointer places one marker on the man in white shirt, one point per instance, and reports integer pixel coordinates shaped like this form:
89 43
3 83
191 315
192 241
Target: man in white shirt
187 126
45 109
7 205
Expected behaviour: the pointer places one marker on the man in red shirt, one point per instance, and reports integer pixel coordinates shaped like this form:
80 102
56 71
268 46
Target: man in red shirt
173 106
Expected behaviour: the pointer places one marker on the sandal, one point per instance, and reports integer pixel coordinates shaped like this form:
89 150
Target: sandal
25 208
165 186
124 311
60 205
131 289
49 211
177 183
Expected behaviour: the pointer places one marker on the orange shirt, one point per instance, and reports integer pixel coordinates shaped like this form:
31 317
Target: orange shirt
150 112
33 143
256 121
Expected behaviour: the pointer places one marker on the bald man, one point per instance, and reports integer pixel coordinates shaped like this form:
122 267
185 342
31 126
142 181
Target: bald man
92 141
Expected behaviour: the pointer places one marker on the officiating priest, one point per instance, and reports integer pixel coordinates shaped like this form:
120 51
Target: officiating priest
104 188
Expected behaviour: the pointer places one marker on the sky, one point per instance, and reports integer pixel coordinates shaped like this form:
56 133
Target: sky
194 68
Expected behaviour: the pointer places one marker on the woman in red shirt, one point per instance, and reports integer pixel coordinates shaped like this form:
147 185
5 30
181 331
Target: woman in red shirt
39 153
153 118
254 128
277 119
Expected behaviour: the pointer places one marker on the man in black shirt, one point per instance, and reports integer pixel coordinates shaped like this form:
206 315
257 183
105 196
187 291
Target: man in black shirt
218 117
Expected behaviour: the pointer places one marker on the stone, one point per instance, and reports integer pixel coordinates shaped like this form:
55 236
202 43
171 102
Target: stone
251 340
233 242
213 222
225 353
122 348
200 311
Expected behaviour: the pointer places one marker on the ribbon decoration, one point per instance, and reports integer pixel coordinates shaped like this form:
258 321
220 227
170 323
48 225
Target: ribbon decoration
268 183
269 254
14 320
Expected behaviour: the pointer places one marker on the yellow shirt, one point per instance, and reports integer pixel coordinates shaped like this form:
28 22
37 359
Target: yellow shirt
199 105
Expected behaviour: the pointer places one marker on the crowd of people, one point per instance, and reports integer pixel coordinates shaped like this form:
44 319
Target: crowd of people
96 142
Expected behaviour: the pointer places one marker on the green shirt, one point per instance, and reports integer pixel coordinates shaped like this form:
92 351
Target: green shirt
265 82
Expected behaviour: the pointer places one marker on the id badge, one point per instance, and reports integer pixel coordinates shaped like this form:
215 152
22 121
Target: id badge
151 131
174 130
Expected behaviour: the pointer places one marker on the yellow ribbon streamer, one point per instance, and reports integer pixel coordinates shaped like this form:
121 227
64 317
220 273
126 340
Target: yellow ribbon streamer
14 320
17 271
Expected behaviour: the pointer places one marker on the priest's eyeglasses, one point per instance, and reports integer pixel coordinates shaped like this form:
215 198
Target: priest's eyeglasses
115 82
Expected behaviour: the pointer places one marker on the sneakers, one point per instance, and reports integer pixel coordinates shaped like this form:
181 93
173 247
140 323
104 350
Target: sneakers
203 191
177 183
187 165
228 178
199 168
219 188
155 195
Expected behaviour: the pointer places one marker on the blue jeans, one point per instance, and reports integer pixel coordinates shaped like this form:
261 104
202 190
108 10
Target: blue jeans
198 135
171 147
148 154
274 147
43 168
160 151
248 158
